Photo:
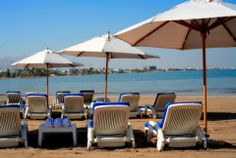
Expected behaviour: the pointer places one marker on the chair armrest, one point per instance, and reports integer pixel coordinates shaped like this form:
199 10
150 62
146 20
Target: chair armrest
54 103
49 110
26 112
24 132
130 132
160 134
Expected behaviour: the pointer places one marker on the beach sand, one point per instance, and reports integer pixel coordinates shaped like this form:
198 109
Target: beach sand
221 127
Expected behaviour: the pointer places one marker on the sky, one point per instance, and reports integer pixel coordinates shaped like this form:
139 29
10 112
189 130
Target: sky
28 26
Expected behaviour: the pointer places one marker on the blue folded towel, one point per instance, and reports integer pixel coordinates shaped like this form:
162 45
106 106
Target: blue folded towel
58 122
49 122
66 122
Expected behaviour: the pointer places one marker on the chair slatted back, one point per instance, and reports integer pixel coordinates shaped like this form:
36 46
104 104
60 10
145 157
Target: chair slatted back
162 99
88 96
182 118
60 96
73 103
37 103
132 98
13 97
111 119
10 123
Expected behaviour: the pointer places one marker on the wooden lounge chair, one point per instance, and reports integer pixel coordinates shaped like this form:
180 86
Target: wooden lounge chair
158 107
179 126
37 106
73 106
133 99
12 131
109 126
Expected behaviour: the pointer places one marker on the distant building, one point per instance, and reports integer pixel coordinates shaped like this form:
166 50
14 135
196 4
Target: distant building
152 68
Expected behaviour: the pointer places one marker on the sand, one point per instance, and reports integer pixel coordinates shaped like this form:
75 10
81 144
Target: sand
221 127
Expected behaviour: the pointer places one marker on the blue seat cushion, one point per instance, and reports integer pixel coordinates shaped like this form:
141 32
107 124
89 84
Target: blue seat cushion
86 91
43 95
13 92
10 106
146 125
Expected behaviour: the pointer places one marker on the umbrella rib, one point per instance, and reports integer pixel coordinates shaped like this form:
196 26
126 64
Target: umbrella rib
151 32
80 54
218 22
181 22
187 35
229 32
142 57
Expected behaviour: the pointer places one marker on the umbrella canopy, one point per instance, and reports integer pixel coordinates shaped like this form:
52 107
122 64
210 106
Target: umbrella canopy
45 59
108 47
194 24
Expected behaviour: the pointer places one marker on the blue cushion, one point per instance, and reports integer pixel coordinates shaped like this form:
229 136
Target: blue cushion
63 92
71 94
171 103
96 104
10 106
13 92
43 95
125 93
154 128
86 91
101 99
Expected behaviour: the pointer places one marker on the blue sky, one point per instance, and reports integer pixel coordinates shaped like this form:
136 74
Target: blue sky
28 26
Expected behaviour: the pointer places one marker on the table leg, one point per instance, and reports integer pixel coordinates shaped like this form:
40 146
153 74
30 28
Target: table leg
74 136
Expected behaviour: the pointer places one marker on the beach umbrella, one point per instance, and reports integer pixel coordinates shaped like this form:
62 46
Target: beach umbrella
45 59
190 25
106 46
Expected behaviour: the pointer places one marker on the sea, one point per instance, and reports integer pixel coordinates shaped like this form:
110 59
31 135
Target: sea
220 82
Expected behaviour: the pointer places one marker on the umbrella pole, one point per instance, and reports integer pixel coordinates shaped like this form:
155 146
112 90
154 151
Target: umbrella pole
106 77
47 79
204 80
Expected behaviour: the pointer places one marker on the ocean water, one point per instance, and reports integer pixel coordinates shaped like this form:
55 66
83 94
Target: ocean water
220 82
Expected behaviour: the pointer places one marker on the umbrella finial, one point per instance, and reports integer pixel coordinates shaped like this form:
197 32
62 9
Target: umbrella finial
109 35
47 50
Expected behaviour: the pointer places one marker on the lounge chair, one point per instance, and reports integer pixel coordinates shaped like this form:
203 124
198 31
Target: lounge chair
12 131
37 106
58 101
73 106
13 97
109 126
133 99
88 97
158 107
179 126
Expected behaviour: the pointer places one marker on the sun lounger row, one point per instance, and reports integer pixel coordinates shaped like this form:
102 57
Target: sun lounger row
110 127
77 105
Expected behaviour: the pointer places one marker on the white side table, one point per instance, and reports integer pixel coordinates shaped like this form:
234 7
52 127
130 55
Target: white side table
43 129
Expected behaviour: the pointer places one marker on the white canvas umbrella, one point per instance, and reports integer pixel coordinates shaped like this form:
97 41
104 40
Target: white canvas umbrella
45 59
108 47
193 24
